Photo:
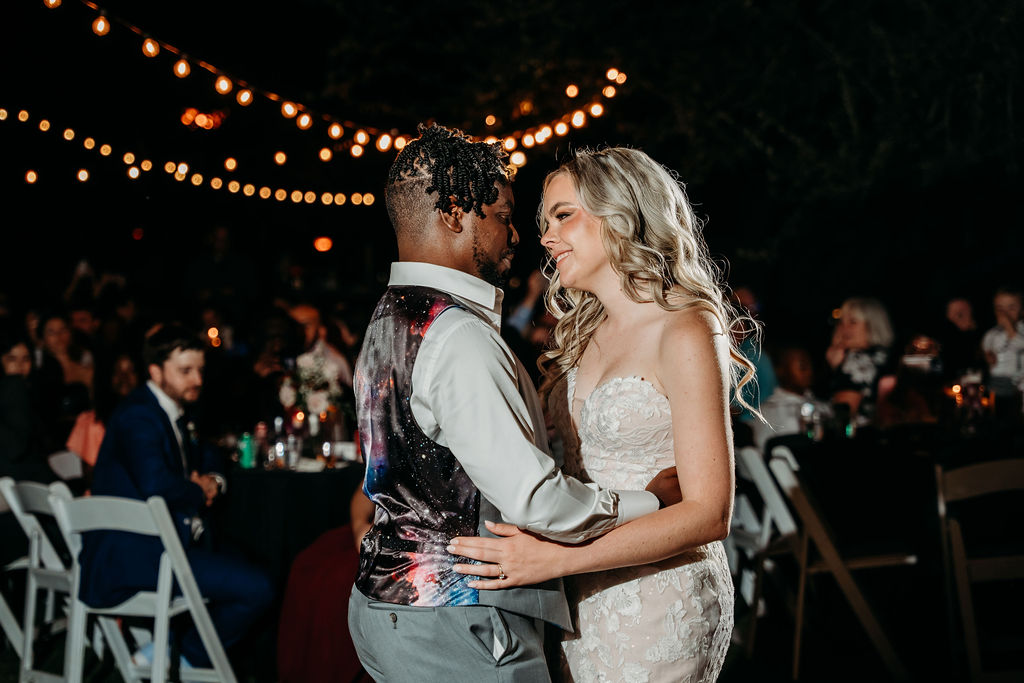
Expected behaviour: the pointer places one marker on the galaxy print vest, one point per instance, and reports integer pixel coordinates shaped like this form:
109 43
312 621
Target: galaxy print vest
423 495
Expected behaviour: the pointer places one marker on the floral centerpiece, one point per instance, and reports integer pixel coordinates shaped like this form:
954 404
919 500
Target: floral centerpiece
315 390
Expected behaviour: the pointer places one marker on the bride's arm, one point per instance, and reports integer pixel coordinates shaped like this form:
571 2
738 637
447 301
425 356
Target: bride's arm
693 364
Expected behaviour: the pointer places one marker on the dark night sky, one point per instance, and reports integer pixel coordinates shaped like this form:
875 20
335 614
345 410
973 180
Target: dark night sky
833 148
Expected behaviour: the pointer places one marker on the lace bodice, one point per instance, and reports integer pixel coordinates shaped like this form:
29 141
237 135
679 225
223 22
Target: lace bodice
664 621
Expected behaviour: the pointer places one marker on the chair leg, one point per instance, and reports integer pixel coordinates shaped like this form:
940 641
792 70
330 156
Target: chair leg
800 598
28 627
118 647
748 645
74 649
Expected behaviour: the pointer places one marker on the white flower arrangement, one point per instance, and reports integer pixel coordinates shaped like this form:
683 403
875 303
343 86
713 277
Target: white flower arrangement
314 385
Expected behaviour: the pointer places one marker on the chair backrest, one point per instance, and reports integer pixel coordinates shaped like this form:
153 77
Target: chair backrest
152 518
775 517
27 499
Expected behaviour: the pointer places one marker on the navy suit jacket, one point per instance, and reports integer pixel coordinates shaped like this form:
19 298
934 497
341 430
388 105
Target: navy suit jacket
139 458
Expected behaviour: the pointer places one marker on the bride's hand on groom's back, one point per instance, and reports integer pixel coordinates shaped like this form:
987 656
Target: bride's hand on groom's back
522 557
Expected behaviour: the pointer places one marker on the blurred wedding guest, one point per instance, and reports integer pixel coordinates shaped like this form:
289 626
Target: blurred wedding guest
916 393
113 383
317 350
792 407
23 448
150 449
859 356
960 339
63 376
1004 345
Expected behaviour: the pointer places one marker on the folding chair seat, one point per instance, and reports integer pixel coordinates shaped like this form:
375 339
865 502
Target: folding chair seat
969 563
150 518
815 529
45 570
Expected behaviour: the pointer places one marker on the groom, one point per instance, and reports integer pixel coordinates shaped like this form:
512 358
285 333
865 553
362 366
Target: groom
453 434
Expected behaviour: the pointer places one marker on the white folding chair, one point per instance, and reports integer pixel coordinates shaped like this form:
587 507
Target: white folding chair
151 518
759 534
8 621
815 529
44 571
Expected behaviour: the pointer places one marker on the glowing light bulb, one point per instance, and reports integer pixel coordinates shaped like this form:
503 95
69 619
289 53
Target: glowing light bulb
182 68
323 244
368 199
150 47
233 186
146 165
609 91
578 119
244 97
83 175
296 196
517 159
289 110
327 199
23 116
571 90
197 179
223 85
101 26
561 128
336 130
3 114
356 151
621 78
304 121
491 120
170 166
31 177
596 109
309 197
216 183
88 143
44 125
52 4
362 137
230 164
69 134
339 198
357 198
265 192
105 150
612 74
128 158
134 172
280 195
384 142
510 143
280 158
248 189
400 143
182 168
528 140
326 154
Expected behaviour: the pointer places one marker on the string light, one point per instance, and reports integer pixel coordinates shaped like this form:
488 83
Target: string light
357 198
304 121
339 198
296 196
31 177
182 168
52 4
23 116
517 159
101 26
230 164
264 192
612 74
400 143
561 128
596 109
571 90
133 172
170 166
362 137
150 47
323 244
384 142
356 150
326 154
609 91
233 186
88 143
578 119
146 165
289 110
368 199
244 97
223 85
490 120
197 179
326 198
248 189
182 68
3 114
105 150
82 175
69 134
280 195
528 140
335 131
216 183
309 197
44 125
621 78
280 158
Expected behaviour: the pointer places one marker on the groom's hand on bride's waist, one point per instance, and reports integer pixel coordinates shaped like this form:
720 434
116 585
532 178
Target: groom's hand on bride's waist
665 486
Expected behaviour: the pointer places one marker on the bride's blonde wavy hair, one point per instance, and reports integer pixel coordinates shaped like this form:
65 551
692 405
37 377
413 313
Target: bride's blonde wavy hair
653 242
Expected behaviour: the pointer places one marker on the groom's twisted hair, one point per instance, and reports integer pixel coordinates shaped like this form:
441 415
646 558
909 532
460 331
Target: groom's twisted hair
463 173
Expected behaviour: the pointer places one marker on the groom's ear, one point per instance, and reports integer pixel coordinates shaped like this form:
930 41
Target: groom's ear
452 218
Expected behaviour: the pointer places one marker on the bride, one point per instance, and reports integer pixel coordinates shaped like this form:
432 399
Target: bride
638 379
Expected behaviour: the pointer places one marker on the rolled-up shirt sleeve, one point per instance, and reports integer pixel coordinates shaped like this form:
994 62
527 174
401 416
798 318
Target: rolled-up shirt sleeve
466 396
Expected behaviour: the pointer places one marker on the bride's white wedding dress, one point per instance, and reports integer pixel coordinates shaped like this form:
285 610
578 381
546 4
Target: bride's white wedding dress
666 621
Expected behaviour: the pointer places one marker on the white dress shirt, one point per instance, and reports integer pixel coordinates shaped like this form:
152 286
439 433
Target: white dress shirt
473 396
1008 352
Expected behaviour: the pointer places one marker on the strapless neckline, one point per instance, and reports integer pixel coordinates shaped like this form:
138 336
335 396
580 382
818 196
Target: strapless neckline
571 390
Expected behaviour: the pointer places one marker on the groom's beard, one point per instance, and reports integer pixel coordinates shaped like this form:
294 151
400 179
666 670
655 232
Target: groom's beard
488 270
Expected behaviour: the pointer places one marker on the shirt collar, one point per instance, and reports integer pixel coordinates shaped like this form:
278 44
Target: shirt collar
169 405
483 297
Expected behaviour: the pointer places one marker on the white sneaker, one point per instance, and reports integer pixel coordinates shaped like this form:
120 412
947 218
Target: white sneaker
144 657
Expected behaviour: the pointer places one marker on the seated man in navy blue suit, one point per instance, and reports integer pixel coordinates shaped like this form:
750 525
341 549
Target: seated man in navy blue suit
149 450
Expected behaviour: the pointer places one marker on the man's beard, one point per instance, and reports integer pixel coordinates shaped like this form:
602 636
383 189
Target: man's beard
488 270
